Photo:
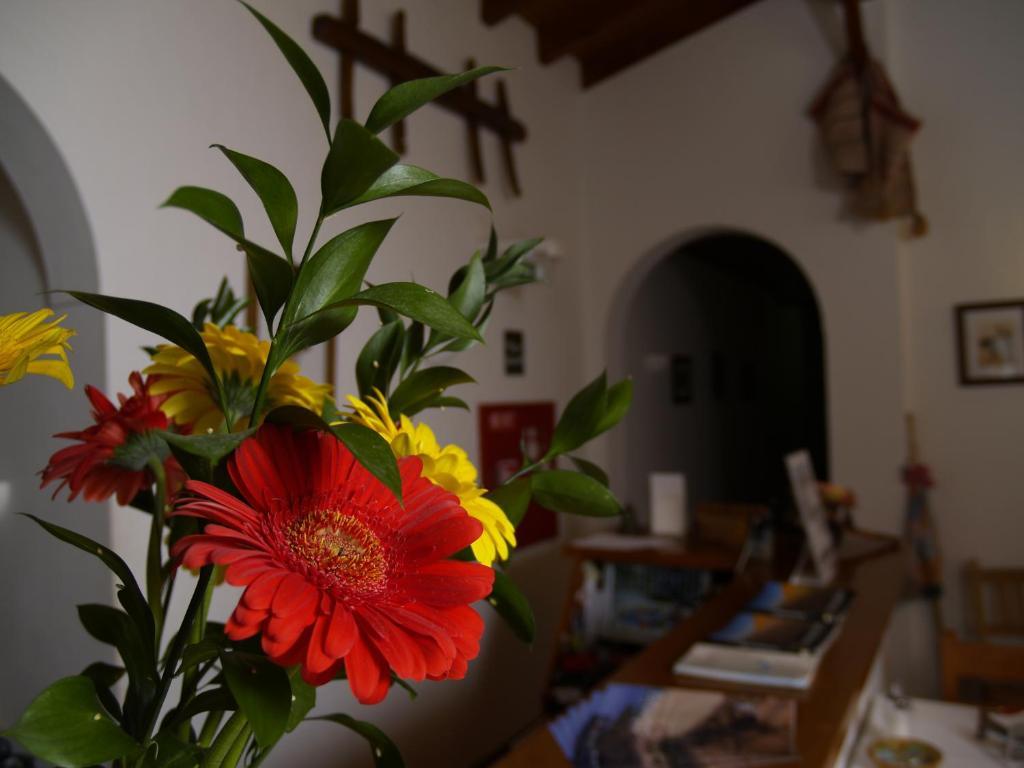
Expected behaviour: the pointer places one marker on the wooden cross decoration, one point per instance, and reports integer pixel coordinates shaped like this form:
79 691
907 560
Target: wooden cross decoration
398 65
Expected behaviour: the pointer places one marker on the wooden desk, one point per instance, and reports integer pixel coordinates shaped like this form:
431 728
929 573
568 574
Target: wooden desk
824 713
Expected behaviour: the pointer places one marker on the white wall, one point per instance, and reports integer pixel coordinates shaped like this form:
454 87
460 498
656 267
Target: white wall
134 92
969 163
714 132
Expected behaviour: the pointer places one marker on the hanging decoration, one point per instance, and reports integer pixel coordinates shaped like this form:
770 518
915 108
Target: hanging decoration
867 133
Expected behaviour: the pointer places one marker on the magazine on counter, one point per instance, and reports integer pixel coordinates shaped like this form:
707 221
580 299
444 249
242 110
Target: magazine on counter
748 666
635 726
766 631
802 601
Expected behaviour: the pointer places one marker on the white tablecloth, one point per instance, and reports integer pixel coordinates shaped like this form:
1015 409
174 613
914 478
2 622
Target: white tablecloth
950 727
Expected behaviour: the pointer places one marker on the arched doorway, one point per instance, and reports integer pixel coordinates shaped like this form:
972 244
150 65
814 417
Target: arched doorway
723 337
44 242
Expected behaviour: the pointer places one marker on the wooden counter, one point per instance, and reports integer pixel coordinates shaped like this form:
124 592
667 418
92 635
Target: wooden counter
824 713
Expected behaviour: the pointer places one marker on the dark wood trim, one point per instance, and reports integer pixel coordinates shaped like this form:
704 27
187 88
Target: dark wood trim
960 312
576 22
656 25
495 11
397 66
398 43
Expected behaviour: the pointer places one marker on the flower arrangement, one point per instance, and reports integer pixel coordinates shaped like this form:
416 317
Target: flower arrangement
362 544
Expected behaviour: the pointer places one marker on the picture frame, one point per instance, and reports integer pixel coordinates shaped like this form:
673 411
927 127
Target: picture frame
990 342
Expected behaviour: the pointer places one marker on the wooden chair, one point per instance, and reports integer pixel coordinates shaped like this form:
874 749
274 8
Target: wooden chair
996 601
981 673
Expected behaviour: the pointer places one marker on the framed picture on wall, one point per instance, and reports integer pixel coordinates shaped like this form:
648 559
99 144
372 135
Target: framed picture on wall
990 342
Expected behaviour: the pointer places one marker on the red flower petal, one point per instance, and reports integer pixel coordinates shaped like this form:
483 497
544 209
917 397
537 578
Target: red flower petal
337 572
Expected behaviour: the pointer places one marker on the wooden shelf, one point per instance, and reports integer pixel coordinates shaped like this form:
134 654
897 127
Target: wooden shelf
688 552
825 713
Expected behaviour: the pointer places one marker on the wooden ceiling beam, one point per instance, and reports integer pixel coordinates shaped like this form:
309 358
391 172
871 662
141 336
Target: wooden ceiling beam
495 11
657 25
573 23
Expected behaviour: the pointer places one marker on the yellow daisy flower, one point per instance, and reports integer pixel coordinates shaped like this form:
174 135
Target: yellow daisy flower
239 358
448 467
28 344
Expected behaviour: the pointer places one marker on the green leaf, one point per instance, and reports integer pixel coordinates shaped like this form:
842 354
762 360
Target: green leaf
271 278
303 698
215 208
169 751
156 319
440 402
385 753
104 677
210 700
424 386
373 452
379 358
67 725
299 417
562 490
580 420
195 654
513 607
421 304
310 76
138 449
409 299
590 469
263 693
468 297
492 246
402 180
511 258
200 454
274 191
405 98
513 498
413 346
355 161
460 345
620 397
114 627
520 274
335 272
129 594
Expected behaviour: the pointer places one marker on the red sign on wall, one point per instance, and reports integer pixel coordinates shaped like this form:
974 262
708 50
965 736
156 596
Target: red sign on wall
506 431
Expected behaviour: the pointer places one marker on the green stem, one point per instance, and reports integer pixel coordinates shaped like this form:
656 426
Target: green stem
190 679
177 647
312 238
225 740
286 317
527 469
154 557
237 748
210 726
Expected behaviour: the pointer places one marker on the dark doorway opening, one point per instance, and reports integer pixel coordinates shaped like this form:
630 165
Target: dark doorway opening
724 339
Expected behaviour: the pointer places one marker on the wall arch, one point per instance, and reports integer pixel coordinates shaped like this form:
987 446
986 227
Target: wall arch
47 243
738 260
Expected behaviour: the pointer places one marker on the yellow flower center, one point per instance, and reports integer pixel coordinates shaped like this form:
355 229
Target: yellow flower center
339 547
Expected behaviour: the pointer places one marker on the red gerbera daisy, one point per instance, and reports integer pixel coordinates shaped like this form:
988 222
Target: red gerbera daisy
336 571
112 456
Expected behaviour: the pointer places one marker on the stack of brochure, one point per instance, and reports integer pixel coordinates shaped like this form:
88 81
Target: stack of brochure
635 726
775 641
